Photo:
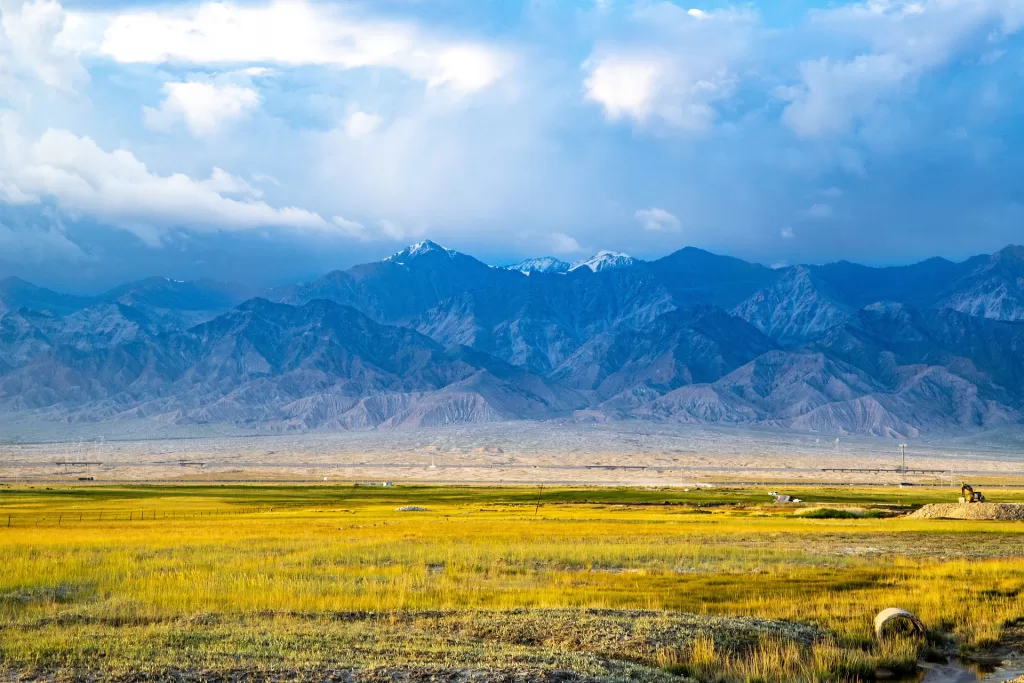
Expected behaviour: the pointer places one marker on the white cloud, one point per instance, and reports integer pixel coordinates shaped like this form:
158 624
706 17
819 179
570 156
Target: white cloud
204 107
906 39
818 212
360 124
222 182
654 89
265 179
432 162
12 194
382 230
675 72
32 32
352 228
624 86
787 233
391 230
39 244
564 244
924 32
657 220
835 94
294 33
117 188
464 68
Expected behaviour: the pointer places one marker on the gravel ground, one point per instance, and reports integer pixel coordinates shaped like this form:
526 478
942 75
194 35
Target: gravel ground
424 674
1012 512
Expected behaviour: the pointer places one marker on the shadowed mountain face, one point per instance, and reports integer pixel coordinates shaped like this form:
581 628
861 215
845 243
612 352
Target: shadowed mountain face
682 347
129 312
795 308
432 336
321 363
15 294
993 290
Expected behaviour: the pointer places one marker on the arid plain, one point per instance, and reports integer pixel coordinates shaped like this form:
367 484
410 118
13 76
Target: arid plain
514 453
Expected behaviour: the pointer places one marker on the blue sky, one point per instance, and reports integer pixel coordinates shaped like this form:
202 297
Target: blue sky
269 142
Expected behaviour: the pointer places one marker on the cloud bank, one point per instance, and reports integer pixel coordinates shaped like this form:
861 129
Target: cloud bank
884 127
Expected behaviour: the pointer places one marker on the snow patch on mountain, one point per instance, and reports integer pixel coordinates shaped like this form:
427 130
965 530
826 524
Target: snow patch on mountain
419 249
542 264
602 260
605 260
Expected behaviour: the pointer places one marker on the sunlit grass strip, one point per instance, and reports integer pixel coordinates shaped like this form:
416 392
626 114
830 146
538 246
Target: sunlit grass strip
254 569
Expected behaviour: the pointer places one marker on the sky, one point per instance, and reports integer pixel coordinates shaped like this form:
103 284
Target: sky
271 142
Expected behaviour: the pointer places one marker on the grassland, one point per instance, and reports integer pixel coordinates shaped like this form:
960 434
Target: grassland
331 582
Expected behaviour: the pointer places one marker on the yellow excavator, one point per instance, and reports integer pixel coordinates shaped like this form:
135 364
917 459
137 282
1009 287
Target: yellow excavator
969 495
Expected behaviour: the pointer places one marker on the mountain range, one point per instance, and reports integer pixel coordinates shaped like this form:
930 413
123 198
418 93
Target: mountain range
431 336
602 260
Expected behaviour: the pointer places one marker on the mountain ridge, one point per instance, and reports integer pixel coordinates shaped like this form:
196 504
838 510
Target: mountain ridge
433 336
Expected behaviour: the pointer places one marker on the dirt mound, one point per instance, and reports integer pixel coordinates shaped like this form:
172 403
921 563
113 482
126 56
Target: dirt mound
1013 512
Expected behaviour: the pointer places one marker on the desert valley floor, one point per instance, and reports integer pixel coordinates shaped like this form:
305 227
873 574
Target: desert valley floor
516 452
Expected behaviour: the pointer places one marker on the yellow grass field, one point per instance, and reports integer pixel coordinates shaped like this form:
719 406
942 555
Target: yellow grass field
334 583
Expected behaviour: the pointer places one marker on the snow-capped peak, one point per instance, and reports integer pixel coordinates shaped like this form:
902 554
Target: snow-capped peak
542 264
605 260
418 249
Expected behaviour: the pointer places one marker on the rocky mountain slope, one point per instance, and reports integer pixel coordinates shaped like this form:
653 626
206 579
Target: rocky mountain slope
321 363
433 336
993 290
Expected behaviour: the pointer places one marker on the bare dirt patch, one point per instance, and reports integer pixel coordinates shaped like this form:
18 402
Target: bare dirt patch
1007 512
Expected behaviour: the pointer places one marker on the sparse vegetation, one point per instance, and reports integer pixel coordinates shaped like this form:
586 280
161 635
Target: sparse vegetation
598 584
840 513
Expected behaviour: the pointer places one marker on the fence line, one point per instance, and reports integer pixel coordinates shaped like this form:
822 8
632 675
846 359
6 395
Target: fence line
128 515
